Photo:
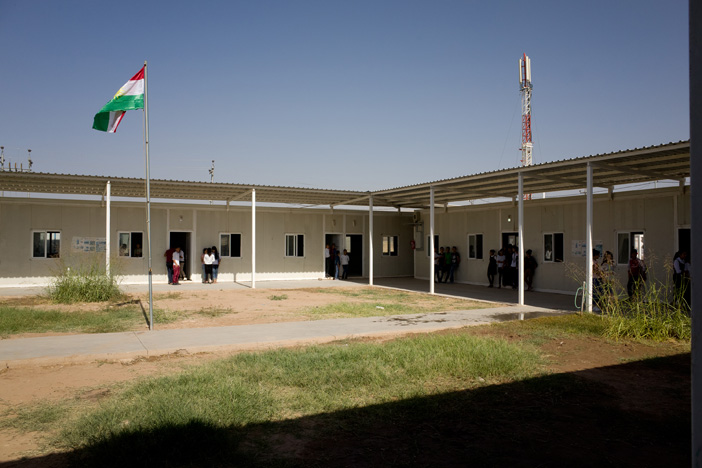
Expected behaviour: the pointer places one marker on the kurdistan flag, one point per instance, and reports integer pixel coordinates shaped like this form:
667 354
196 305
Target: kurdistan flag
129 97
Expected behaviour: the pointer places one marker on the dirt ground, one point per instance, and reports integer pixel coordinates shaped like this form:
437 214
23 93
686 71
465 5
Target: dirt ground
222 307
653 394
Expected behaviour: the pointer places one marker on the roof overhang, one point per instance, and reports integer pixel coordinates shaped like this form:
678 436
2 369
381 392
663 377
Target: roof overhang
663 162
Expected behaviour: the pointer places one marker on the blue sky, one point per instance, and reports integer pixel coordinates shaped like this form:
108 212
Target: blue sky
360 95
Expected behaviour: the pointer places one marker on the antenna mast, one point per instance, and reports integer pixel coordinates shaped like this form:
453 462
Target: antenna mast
525 87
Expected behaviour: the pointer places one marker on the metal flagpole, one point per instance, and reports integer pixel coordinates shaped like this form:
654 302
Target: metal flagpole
148 194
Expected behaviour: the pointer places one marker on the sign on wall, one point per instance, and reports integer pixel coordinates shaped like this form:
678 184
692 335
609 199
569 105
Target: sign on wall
579 247
89 244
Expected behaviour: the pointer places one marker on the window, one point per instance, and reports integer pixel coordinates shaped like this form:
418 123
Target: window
436 244
230 245
627 241
46 244
130 244
294 245
475 246
390 245
553 247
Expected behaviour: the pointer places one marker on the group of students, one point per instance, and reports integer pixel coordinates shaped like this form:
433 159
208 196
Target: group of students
603 278
446 262
175 258
504 264
336 263
210 260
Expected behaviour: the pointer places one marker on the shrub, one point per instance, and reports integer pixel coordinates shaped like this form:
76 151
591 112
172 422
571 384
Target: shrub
653 313
86 281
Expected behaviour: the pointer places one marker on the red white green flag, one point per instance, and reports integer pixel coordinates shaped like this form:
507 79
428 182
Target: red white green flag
129 97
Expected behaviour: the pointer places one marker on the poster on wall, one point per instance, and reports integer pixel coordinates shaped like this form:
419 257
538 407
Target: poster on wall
579 247
89 244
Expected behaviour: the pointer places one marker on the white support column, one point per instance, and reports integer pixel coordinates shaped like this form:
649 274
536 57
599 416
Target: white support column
588 241
431 245
253 238
107 228
370 240
520 195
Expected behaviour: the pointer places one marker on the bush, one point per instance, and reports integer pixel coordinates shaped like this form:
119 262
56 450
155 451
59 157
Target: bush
86 282
654 313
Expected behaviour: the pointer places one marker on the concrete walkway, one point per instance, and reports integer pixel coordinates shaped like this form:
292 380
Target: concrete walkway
67 348
126 345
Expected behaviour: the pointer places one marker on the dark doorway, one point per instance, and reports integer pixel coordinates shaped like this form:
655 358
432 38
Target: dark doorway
354 246
510 238
684 241
337 241
182 240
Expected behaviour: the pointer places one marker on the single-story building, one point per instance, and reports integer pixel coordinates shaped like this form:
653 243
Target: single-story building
273 233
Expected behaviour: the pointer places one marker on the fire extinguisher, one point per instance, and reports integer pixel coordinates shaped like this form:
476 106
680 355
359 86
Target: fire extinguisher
412 244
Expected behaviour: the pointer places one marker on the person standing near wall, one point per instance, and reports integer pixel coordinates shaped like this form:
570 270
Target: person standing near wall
455 261
169 264
596 281
337 265
208 260
440 263
447 264
529 270
176 265
680 278
344 265
202 261
327 261
637 274
215 264
500 267
492 267
182 265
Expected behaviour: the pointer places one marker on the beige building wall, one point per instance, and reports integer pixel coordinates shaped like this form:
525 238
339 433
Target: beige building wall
204 224
658 214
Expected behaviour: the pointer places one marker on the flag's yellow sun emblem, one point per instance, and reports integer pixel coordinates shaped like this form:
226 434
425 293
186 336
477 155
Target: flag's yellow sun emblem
119 93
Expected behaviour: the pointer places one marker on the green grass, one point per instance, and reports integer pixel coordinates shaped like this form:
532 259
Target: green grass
383 302
42 416
282 297
69 288
355 309
14 320
277 385
657 322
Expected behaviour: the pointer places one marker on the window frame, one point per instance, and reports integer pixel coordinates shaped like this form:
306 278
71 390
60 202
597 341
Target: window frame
230 234
296 245
630 235
130 244
477 255
554 246
392 246
47 242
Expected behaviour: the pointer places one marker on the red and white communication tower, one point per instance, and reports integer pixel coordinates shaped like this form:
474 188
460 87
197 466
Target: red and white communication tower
525 90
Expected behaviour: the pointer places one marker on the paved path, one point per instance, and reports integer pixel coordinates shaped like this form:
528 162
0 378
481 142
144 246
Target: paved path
67 348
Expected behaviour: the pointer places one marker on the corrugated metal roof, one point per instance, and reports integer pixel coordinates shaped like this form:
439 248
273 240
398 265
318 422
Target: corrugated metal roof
669 161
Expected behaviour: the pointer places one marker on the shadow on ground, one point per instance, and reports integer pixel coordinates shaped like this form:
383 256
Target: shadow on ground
634 414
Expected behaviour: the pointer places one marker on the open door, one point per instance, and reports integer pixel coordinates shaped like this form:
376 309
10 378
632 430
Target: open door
354 245
182 240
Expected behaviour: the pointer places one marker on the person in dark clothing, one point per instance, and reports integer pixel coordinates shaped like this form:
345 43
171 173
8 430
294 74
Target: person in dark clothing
441 264
492 268
169 264
529 270
455 261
